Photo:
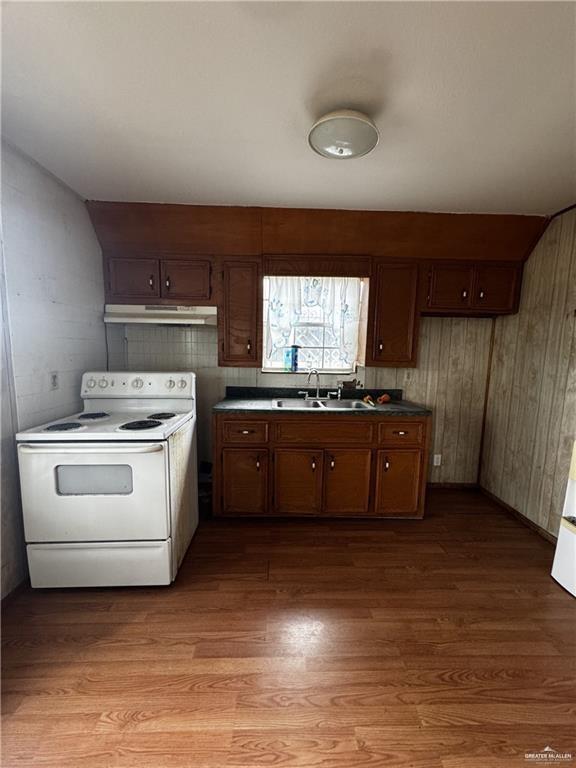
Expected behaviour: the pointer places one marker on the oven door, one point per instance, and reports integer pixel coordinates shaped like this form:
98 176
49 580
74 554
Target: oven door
94 491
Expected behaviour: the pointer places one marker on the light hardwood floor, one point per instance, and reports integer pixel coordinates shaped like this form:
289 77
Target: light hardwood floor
441 643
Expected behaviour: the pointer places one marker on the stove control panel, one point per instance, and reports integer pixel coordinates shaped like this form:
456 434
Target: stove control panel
99 384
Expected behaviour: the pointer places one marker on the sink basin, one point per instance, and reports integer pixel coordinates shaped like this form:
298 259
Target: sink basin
346 405
296 403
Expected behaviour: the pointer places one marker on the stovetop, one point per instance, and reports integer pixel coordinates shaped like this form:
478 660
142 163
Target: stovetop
124 425
124 406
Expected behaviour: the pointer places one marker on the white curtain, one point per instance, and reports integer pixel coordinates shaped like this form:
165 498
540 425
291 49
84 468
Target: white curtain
301 306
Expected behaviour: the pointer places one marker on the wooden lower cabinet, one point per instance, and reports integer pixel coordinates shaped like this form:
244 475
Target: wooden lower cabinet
244 481
347 481
258 470
398 478
297 482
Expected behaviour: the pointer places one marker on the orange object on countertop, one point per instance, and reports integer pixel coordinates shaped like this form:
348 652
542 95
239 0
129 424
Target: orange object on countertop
385 398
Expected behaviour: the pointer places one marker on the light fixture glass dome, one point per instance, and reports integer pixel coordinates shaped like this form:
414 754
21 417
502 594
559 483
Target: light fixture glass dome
343 135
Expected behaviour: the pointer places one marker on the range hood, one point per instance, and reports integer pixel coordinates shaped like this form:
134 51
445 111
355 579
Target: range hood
158 314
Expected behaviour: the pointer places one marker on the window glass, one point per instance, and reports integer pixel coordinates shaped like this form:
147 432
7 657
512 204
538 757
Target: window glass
320 315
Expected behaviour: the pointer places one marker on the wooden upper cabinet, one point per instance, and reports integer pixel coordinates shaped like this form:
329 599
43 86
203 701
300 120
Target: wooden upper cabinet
297 481
244 481
347 481
476 289
240 314
133 279
187 280
496 288
392 324
449 287
398 482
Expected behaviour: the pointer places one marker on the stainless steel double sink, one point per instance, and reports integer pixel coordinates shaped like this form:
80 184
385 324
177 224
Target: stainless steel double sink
330 405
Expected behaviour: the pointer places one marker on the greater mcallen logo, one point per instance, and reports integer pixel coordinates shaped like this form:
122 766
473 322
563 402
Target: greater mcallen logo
548 755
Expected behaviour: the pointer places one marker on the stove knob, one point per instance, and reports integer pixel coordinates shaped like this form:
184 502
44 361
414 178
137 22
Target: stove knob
103 383
137 383
91 383
170 383
182 383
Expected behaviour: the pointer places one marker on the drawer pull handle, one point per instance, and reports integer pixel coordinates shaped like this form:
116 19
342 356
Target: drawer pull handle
249 346
168 283
332 462
380 346
151 281
464 294
481 294
258 464
246 431
314 464
386 464
399 432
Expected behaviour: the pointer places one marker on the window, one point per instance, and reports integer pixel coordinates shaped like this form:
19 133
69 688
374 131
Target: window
321 315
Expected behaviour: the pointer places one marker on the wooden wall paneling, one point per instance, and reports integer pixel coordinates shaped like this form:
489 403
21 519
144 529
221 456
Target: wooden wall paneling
531 413
450 379
319 266
408 235
176 229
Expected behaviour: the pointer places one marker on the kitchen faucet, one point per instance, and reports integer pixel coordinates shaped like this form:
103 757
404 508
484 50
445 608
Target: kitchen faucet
312 372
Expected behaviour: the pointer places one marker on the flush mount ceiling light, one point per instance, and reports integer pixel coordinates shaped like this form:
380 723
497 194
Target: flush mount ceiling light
343 135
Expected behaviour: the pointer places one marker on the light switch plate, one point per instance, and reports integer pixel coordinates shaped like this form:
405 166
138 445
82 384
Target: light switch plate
437 461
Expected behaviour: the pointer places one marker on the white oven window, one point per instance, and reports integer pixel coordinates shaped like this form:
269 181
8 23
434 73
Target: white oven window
94 480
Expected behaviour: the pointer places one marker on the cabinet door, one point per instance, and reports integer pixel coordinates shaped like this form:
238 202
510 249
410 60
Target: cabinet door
398 476
496 288
244 481
449 287
241 310
347 481
188 280
134 278
297 482
393 320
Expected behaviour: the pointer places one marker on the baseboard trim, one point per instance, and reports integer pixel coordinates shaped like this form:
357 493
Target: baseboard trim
519 516
455 486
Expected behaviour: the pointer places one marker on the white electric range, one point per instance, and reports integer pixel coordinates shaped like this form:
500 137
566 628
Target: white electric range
110 495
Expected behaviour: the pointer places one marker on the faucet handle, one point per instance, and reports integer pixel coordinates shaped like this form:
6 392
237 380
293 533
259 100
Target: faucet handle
333 394
303 392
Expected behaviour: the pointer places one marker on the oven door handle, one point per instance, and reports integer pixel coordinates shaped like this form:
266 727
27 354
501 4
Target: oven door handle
82 449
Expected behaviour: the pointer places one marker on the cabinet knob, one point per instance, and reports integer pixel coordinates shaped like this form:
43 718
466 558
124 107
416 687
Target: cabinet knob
168 283
398 432
332 462
386 464
481 294
249 346
464 294
380 346
151 281
246 431
258 464
314 464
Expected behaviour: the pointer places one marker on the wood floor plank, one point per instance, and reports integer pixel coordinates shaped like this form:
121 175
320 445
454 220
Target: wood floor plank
441 643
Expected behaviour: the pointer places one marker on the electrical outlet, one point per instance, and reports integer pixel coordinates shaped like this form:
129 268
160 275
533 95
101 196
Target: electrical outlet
437 459
54 380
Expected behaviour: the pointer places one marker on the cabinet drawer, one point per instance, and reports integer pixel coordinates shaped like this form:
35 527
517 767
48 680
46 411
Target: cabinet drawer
319 432
245 432
401 433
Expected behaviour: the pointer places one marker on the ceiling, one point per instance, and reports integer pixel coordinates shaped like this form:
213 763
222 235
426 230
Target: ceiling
210 102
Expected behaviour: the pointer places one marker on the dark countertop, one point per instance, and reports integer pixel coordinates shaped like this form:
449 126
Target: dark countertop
261 400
